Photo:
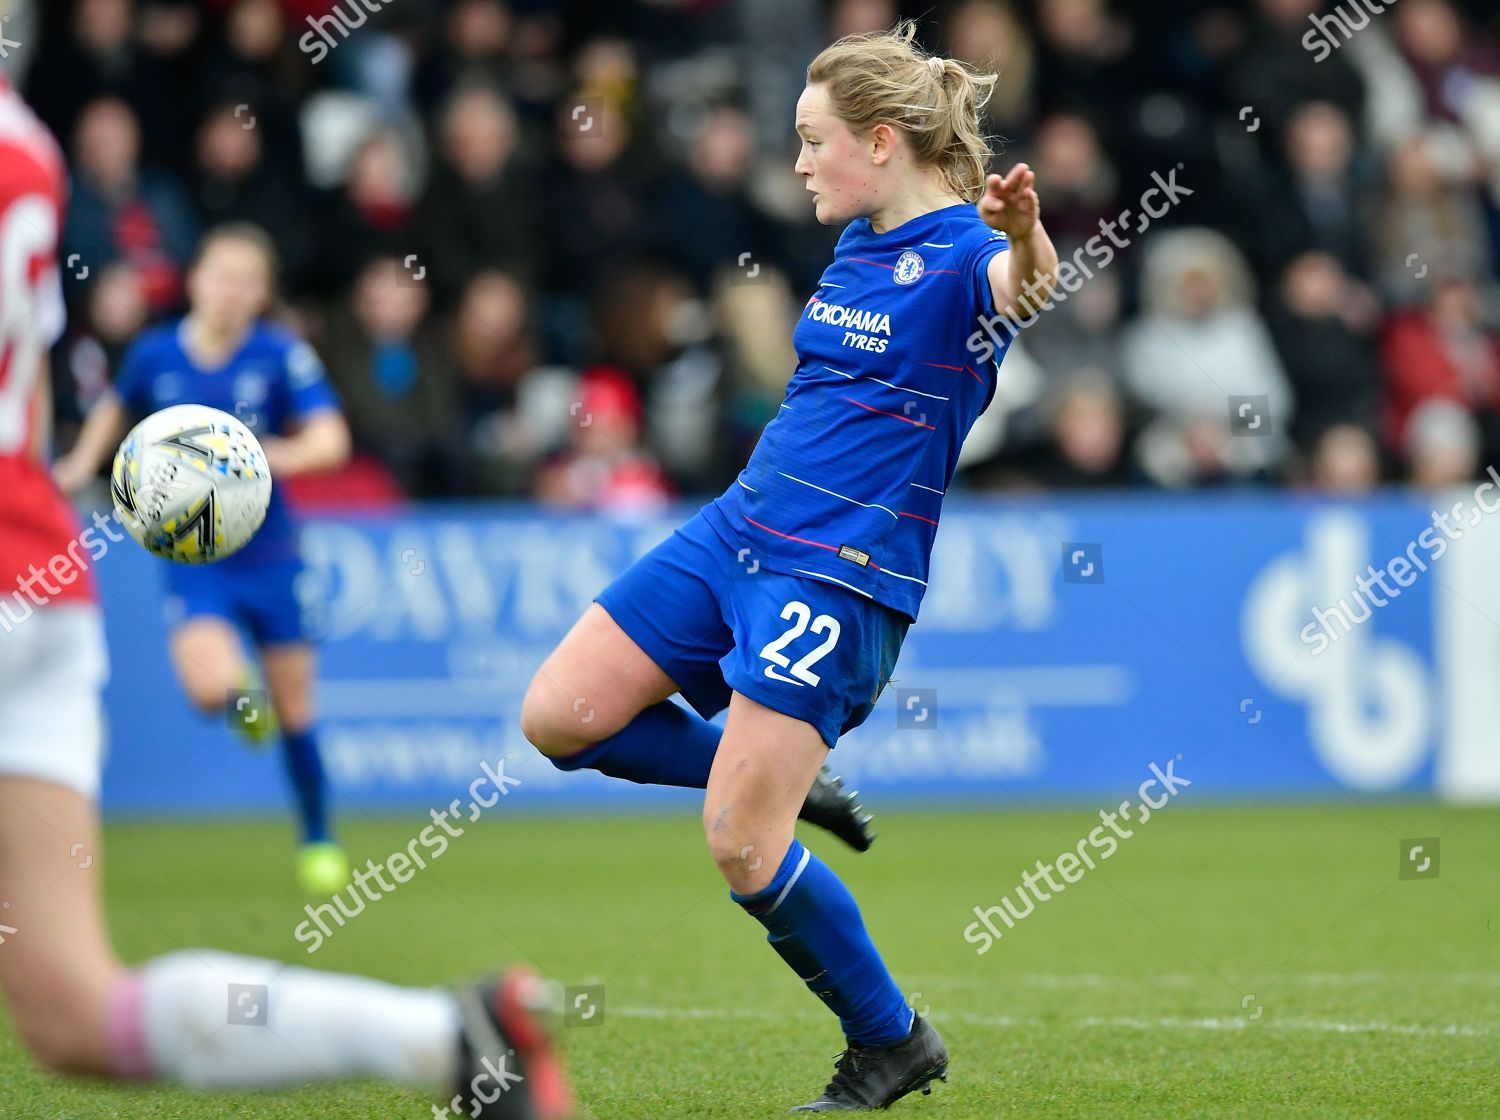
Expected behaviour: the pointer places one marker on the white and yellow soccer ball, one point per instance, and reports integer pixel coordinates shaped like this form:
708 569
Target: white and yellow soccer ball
191 484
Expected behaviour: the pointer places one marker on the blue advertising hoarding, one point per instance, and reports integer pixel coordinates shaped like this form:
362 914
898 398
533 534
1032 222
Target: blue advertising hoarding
1065 644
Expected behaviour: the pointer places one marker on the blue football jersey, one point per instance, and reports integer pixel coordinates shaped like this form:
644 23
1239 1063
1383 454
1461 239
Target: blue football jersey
847 481
273 382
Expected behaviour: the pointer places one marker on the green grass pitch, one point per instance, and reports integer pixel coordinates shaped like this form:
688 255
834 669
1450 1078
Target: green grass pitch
1237 961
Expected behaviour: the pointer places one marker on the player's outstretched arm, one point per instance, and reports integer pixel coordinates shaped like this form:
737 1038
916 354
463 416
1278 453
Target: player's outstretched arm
322 443
1022 279
101 431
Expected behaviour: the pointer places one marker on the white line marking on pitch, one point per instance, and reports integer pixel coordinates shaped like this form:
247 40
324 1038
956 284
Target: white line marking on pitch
1235 1023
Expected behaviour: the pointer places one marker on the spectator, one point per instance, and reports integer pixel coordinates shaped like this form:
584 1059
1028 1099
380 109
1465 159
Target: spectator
1081 182
708 197
991 36
1424 223
98 56
598 200
1087 445
1317 202
1345 461
234 182
374 211
755 321
1442 444
120 211
1442 351
1082 332
1321 323
510 157
480 209
650 323
606 469
253 64
1277 75
516 412
114 311
1085 59
1199 343
397 387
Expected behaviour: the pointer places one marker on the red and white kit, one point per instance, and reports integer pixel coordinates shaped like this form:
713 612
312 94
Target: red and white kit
52 658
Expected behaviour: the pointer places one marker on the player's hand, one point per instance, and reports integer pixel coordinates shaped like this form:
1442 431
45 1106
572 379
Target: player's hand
281 458
1010 203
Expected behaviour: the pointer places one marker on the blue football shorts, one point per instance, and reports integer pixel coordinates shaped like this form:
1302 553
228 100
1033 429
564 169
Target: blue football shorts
270 600
717 622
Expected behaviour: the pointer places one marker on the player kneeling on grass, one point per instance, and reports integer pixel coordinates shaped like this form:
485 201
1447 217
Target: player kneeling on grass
485 1051
787 599
222 355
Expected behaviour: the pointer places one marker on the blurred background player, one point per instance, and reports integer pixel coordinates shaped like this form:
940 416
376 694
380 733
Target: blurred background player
78 1008
787 599
221 354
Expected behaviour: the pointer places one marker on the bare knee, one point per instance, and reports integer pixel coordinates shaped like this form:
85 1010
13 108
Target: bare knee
747 858
65 1032
207 656
554 727
204 692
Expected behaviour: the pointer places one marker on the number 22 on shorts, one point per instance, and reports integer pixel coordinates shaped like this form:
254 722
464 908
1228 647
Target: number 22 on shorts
800 614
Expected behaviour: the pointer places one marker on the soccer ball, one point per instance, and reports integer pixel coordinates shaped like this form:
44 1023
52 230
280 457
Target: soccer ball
191 484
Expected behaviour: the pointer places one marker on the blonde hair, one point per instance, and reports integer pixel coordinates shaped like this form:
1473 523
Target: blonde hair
884 77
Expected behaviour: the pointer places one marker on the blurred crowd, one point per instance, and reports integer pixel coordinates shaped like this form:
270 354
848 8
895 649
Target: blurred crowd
557 249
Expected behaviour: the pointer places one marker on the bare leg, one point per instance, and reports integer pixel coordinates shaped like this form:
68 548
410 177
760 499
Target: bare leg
209 661
594 683
57 969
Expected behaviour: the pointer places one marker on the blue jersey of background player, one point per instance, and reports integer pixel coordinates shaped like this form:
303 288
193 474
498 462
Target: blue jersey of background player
787 599
221 354
274 382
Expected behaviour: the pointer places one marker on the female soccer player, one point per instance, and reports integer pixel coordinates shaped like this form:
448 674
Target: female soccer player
194 1017
787 598
222 355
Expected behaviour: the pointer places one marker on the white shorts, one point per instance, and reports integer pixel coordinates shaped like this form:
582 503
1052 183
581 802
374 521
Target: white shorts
53 666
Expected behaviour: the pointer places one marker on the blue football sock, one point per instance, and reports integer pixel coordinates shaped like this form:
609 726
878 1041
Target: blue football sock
815 925
304 767
663 746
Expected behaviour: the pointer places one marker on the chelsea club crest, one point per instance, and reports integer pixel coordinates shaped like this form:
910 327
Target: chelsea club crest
909 268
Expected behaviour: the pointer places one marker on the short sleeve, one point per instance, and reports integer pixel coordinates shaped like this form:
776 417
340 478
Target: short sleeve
308 388
980 257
